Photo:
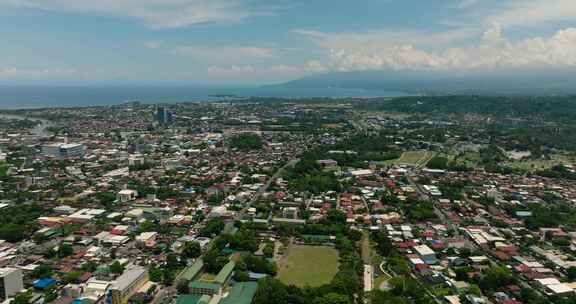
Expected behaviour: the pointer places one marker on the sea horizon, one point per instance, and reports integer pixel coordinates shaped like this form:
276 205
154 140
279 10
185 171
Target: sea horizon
36 96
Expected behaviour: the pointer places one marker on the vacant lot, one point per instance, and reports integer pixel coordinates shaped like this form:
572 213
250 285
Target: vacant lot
308 265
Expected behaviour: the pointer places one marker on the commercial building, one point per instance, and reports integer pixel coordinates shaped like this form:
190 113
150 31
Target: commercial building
127 284
11 282
204 288
212 288
62 150
192 272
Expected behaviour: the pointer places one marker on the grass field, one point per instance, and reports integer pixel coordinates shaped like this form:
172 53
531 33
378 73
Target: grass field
531 165
308 265
416 158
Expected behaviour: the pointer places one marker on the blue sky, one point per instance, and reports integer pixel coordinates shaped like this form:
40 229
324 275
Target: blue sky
270 41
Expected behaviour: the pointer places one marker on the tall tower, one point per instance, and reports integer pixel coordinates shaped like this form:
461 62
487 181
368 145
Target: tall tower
163 116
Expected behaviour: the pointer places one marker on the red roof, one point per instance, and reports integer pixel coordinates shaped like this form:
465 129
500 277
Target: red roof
502 256
428 233
514 288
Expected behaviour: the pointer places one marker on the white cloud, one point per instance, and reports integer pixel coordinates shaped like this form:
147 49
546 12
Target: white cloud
225 54
157 14
533 12
494 50
269 73
374 39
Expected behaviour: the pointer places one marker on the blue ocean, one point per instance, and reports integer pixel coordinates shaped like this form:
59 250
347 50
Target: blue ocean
25 97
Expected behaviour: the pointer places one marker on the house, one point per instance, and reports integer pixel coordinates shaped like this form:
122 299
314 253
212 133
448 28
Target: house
126 195
426 254
553 287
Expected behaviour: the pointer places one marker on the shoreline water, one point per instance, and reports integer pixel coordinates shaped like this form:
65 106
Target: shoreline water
22 98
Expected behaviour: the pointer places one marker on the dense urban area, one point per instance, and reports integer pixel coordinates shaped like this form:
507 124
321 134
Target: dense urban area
439 199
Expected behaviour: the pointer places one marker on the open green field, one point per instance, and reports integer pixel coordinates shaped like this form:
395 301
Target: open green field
531 165
415 158
308 265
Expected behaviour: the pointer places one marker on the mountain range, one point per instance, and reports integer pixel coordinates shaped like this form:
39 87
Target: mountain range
533 81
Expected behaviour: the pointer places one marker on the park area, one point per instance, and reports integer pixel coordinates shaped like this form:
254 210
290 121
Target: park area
308 265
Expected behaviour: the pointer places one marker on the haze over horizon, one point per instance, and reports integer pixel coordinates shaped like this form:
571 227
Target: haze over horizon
247 42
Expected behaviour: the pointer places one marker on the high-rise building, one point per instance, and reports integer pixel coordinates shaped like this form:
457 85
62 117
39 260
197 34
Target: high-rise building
163 116
11 282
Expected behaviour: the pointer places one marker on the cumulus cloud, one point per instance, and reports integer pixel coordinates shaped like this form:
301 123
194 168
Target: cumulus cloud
157 14
494 50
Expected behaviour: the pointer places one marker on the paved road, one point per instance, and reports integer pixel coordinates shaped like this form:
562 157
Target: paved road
441 215
258 194
265 187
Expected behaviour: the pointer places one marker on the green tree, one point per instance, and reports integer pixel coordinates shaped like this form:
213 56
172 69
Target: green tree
182 286
246 142
22 298
42 271
117 268
495 278
72 276
571 273
332 298
155 273
65 250
50 295
271 291
89 266
191 250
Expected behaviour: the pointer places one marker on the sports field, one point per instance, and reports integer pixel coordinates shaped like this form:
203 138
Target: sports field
308 265
415 158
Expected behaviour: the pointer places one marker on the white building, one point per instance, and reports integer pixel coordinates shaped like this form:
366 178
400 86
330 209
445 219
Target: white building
11 282
126 195
553 286
62 150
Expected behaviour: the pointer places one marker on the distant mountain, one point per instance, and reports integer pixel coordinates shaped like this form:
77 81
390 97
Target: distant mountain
493 82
